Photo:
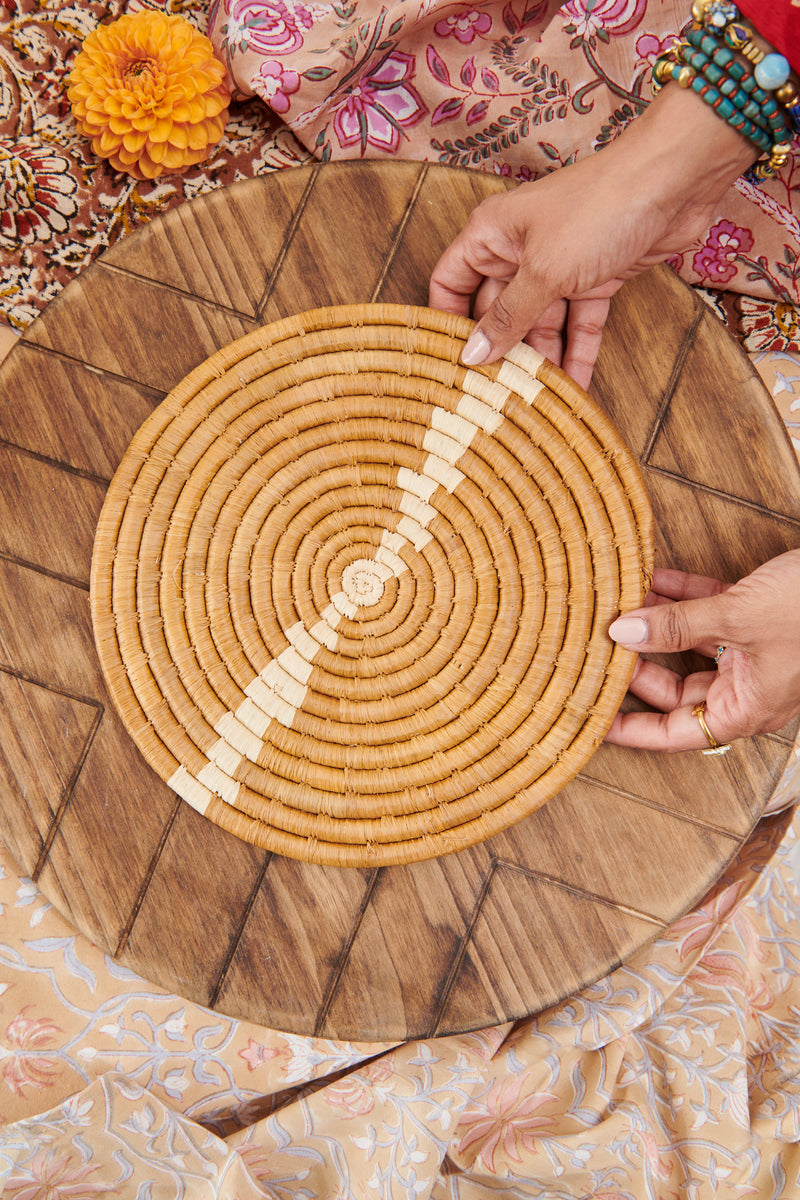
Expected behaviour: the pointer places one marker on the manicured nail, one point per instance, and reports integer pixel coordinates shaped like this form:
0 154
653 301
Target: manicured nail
630 631
476 350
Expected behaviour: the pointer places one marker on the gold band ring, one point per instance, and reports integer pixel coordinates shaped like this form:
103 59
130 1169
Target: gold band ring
719 654
714 747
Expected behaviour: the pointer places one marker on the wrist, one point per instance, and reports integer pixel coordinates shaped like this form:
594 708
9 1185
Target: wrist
681 153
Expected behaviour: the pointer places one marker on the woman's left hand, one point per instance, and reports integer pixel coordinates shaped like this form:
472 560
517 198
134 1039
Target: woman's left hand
755 687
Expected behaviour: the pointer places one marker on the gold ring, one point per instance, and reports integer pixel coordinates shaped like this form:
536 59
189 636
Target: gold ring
719 654
714 747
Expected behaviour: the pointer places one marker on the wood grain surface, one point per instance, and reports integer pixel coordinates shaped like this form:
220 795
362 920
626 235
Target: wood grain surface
489 934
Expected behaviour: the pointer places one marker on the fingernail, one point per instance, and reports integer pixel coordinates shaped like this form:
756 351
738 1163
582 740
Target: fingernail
630 631
476 350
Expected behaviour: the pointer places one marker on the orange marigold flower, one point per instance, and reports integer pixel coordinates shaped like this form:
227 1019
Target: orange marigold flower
149 92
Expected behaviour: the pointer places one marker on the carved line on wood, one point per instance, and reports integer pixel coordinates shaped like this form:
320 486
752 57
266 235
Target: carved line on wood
67 468
458 957
69 788
277 267
635 798
81 584
574 890
174 290
480 900
104 373
344 954
725 496
400 232
237 937
669 391
7 669
535 876
145 883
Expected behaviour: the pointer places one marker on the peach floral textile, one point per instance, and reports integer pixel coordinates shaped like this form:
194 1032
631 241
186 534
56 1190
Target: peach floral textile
676 1076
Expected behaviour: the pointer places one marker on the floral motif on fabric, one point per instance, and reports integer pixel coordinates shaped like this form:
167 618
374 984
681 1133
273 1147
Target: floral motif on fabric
603 18
268 28
277 85
376 111
59 205
508 1116
768 324
28 1064
50 1173
716 260
464 26
37 193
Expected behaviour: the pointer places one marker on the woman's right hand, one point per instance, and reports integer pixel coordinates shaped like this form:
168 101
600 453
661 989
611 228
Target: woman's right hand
541 262
755 687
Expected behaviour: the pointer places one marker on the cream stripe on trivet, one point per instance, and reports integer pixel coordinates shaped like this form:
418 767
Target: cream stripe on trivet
276 693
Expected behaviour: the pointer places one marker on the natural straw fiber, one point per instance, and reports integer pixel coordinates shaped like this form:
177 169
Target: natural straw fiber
351 598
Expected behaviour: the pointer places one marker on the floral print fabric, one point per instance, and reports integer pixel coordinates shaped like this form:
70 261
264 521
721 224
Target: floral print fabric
518 88
60 206
677 1076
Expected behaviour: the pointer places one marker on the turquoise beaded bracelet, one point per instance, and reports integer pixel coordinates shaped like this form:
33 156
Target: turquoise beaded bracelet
745 91
686 77
721 63
771 69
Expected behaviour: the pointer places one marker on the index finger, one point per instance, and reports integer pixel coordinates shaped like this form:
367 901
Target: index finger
453 282
682 585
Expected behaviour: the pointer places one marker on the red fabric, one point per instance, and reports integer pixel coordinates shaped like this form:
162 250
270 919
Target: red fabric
779 22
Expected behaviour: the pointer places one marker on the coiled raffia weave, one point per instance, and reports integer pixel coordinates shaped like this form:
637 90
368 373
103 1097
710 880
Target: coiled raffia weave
351 598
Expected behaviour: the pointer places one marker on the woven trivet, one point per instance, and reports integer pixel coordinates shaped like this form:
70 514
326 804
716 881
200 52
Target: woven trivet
351 598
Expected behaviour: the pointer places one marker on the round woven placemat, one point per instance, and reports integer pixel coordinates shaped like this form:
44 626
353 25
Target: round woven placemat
351 598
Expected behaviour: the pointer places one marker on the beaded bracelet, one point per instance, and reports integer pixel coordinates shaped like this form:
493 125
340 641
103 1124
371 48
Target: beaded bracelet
772 70
722 105
720 61
744 88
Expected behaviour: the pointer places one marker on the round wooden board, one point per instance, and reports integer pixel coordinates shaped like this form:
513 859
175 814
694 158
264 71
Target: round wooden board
494 932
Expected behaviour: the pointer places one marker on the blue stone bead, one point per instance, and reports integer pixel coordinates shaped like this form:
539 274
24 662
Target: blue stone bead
772 72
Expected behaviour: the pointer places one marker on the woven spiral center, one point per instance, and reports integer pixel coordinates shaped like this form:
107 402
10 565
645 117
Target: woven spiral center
363 581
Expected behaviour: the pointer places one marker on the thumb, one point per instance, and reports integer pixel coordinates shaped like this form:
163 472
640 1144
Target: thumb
683 625
507 320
